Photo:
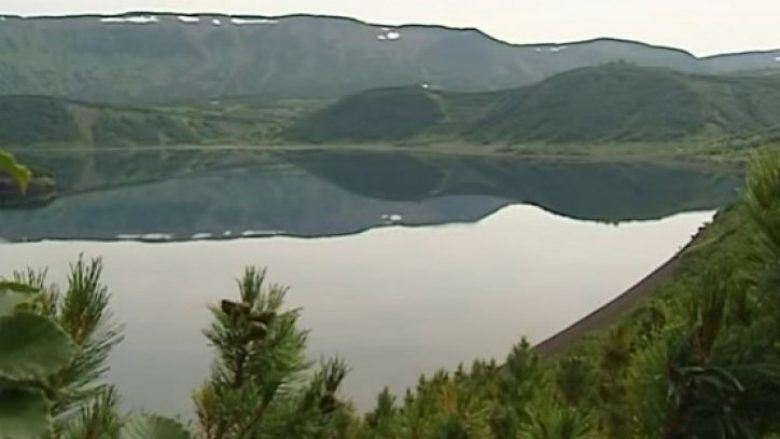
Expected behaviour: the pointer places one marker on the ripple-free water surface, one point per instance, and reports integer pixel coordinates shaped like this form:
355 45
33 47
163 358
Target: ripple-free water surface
394 302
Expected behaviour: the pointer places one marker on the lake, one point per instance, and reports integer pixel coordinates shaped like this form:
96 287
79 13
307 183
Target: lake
402 264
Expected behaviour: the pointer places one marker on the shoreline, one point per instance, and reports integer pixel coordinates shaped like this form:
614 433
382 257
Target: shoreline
609 313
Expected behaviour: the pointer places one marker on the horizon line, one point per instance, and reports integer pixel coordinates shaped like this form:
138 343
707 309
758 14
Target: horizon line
400 26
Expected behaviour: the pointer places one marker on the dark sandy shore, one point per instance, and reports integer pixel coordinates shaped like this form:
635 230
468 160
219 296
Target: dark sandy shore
606 315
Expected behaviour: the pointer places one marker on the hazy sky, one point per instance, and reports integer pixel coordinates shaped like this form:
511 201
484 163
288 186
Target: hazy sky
701 26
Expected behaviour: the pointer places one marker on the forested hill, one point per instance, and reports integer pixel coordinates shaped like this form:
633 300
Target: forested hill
153 58
616 102
612 103
45 121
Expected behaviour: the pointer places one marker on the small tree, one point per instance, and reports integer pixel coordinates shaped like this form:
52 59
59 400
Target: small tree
54 348
257 387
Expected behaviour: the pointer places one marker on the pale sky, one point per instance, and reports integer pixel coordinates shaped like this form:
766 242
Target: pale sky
703 27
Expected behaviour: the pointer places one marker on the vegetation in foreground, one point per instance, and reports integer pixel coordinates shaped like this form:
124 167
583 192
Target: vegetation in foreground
697 360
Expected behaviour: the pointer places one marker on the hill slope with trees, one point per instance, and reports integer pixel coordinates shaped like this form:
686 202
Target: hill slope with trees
616 102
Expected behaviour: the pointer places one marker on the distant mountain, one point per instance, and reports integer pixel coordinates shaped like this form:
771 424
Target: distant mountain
146 58
616 102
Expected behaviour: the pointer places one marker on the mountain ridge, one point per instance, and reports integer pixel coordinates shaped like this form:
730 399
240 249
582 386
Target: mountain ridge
486 34
168 58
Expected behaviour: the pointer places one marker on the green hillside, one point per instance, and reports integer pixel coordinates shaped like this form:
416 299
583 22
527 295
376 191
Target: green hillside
164 58
376 115
48 121
35 119
611 103
625 103
643 110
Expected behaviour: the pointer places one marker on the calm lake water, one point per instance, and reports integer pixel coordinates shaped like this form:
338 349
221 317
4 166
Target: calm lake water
465 270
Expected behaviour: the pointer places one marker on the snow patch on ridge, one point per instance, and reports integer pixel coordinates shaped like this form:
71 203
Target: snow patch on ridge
241 21
132 19
188 19
389 35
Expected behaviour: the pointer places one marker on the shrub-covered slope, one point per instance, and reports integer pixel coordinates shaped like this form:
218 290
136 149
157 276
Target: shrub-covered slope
50 121
616 102
376 115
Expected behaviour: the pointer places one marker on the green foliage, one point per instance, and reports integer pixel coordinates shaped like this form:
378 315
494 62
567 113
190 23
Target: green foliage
153 427
35 119
256 387
19 173
53 350
15 296
23 413
98 418
82 311
31 347
553 420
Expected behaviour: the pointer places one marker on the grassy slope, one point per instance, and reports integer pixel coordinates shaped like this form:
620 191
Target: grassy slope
611 111
48 121
613 103
391 114
36 119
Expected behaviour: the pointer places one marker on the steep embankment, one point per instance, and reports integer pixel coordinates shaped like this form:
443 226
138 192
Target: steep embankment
616 309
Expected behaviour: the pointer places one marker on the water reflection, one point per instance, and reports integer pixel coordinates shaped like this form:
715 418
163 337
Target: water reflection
320 194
